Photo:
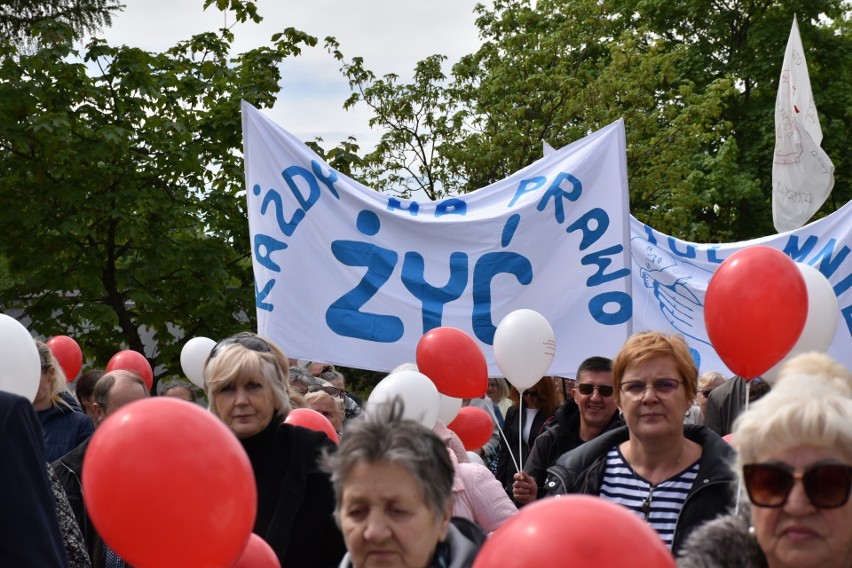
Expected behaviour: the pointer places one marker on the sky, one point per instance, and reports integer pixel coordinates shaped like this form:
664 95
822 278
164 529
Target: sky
391 36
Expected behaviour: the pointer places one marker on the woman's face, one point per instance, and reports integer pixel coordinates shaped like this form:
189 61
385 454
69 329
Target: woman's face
42 399
492 391
703 394
797 534
327 406
246 406
652 411
531 397
384 519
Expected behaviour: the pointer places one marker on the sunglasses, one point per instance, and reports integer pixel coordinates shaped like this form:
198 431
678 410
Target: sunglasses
663 387
827 485
706 393
252 342
587 389
333 391
531 394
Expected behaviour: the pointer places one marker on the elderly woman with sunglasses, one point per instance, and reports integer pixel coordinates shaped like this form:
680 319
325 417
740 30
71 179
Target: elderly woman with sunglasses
246 379
795 464
674 476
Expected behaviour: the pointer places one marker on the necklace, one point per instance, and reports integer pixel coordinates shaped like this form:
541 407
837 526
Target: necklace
646 503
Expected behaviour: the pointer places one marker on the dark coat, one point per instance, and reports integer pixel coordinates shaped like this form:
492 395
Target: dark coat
69 471
723 542
711 495
560 436
506 470
29 528
295 498
64 429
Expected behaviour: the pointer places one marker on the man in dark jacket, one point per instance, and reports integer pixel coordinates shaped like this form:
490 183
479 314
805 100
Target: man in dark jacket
29 528
112 391
590 412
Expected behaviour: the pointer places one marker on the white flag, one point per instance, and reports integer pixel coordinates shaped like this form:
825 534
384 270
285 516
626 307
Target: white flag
802 173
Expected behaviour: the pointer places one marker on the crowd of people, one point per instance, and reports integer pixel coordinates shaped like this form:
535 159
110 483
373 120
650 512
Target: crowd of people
643 430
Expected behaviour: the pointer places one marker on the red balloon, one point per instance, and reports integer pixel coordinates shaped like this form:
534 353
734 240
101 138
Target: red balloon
454 362
755 309
572 531
132 361
473 426
68 354
161 463
313 420
257 554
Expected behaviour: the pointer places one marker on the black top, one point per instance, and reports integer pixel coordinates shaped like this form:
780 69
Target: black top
295 498
29 528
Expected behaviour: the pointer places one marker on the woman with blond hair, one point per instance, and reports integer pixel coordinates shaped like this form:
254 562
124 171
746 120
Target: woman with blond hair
62 422
794 462
246 378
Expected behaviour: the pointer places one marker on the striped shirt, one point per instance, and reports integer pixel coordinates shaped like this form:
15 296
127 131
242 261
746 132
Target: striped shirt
658 504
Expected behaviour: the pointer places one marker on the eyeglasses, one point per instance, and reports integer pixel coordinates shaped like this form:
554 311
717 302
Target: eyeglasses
662 387
333 391
827 485
253 342
587 389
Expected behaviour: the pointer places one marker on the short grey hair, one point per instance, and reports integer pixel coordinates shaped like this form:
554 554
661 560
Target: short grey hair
389 438
785 419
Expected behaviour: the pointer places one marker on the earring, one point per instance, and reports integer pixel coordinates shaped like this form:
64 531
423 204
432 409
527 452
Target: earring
751 530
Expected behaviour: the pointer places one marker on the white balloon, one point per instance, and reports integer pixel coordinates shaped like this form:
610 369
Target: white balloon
20 366
448 408
192 357
524 346
475 458
821 322
419 396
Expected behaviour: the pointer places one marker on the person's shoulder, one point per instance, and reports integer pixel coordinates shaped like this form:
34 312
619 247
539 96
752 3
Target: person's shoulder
14 411
724 541
582 455
304 440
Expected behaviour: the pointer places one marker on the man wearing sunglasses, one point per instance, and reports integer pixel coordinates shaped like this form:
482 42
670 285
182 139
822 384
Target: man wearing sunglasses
589 411
795 465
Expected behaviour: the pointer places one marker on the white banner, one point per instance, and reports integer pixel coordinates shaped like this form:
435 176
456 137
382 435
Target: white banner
802 173
353 277
670 278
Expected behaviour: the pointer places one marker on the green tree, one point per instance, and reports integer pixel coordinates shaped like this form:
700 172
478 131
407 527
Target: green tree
20 18
694 83
125 218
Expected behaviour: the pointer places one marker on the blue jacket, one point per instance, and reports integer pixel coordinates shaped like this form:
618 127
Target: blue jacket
64 429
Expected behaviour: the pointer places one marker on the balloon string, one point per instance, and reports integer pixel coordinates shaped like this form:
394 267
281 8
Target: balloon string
739 477
521 432
490 409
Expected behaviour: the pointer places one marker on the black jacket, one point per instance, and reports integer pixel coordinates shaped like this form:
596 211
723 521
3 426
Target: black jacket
295 498
582 470
29 529
69 471
505 473
560 436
